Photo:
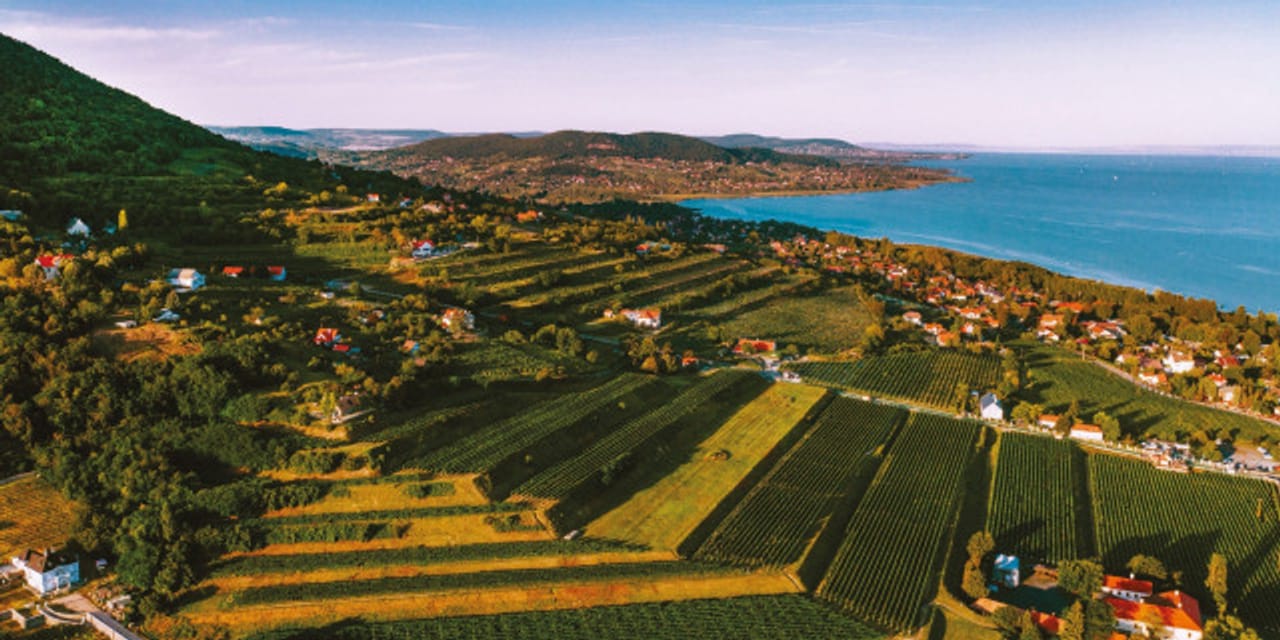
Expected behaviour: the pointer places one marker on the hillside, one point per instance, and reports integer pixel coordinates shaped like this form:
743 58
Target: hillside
71 145
568 166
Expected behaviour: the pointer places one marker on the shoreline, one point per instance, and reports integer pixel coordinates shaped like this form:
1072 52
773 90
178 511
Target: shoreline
680 198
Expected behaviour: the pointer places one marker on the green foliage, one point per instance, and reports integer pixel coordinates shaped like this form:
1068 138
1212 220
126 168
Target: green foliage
429 489
1081 577
316 461
1149 566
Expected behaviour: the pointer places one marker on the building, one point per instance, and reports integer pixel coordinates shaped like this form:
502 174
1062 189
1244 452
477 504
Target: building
276 273
1179 362
12 215
1090 432
1048 420
749 345
188 279
458 319
913 317
326 337
166 315
1127 588
422 248
1007 571
372 197
77 227
1178 615
49 570
643 318
50 264
989 407
233 271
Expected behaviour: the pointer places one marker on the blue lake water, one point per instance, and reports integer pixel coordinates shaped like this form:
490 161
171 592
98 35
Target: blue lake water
1207 227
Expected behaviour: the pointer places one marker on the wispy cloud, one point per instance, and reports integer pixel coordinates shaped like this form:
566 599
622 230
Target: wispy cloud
439 26
31 25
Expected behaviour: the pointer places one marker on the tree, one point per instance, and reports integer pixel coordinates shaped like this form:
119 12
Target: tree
1149 566
974 581
1228 627
1109 425
1081 577
1030 630
1073 623
1099 619
1217 580
980 544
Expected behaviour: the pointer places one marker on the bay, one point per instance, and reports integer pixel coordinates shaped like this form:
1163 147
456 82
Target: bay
1207 227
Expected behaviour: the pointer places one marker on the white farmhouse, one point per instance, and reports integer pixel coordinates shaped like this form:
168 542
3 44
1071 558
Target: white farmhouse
47 571
188 279
989 406
77 227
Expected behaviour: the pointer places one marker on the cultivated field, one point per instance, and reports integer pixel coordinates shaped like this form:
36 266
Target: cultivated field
926 377
1040 505
663 515
33 515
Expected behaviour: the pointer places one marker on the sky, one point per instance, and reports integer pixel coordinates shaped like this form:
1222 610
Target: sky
1019 73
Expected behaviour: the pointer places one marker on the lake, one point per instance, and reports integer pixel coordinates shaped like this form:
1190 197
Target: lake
1207 227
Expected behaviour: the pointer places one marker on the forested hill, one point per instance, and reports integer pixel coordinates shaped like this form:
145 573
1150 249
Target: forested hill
579 144
71 145
578 166
823 147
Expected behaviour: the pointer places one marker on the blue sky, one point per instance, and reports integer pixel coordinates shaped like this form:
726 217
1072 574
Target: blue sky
1026 74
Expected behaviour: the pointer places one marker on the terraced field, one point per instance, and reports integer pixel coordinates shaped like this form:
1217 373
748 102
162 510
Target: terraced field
759 617
32 515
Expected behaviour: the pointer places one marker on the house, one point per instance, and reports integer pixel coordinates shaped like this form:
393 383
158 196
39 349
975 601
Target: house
52 263
1048 420
422 248
1179 362
934 328
642 249
1127 588
276 273
77 227
1090 432
345 408
529 216
1153 378
749 345
913 317
49 570
458 319
1007 571
166 315
372 197
12 215
643 318
185 279
1178 615
326 337
989 407
233 271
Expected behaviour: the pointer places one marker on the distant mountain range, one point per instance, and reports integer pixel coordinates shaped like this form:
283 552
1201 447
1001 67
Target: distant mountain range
333 143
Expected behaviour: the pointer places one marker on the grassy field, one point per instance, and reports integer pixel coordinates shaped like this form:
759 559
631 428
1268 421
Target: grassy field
785 617
1057 378
828 321
663 515
386 496
33 515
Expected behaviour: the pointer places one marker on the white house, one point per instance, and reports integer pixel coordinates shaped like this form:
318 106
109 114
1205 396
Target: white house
49 570
644 318
12 215
1178 613
423 248
1127 588
1090 432
185 279
77 227
1178 362
989 406
458 319
166 315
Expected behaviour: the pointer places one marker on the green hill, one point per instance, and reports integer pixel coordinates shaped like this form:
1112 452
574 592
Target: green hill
580 144
73 146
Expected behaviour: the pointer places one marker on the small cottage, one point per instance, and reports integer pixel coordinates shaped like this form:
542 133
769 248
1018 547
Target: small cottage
49 570
990 408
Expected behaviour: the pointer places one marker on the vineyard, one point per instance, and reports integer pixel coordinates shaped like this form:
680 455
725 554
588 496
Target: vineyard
1039 507
784 617
828 321
32 514
667 512
1057 379
832 464
1183 519
926 377
559 481
887 567
490 446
